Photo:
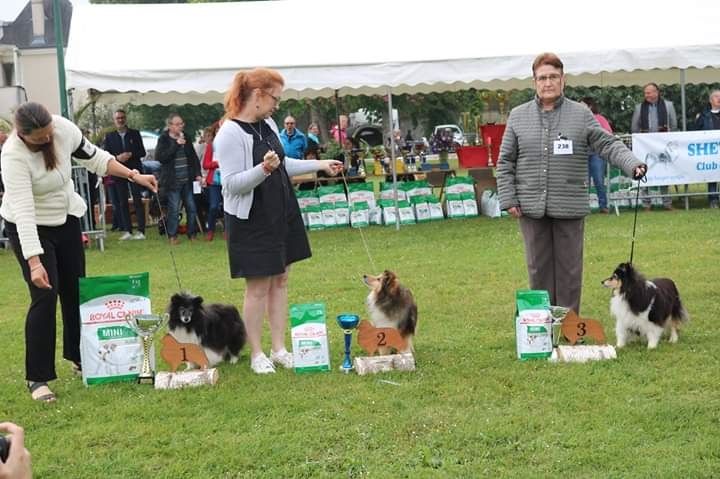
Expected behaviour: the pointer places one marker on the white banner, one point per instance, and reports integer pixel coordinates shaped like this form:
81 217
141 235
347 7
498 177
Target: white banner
679 158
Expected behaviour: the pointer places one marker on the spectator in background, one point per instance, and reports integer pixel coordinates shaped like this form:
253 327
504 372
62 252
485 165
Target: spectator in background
213 181
655 114
293 140
709 119
340 135
18 464
313 149
127 146
596 163
180 168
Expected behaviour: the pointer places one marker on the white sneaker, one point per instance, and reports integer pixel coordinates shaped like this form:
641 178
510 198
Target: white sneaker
260 364
283 358
138 236
125 236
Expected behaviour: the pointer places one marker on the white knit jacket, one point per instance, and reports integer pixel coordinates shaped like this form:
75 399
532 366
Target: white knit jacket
35 196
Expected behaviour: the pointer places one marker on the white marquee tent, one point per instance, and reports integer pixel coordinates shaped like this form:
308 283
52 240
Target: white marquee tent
188 53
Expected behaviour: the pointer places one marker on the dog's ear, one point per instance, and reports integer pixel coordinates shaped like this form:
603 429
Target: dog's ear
389 281
197 301
175 298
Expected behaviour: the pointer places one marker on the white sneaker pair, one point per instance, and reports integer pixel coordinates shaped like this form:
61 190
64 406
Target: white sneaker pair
138 236
125 236
260 364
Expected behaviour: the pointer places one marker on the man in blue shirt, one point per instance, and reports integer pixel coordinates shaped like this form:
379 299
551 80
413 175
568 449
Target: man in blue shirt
293 140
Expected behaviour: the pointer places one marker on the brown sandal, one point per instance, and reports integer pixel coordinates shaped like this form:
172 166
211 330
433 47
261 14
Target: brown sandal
76 368
41 392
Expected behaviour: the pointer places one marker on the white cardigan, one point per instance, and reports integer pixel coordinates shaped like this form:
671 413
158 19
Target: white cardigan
232 149
35 196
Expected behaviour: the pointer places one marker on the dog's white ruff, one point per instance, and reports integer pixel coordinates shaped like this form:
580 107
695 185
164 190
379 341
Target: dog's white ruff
627 322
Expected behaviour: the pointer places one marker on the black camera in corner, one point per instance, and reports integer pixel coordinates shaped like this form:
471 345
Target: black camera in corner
4 448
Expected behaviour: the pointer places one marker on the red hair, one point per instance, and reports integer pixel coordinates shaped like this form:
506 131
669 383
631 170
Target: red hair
244 83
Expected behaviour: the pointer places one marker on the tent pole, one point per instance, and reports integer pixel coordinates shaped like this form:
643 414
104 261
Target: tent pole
392 159
683 106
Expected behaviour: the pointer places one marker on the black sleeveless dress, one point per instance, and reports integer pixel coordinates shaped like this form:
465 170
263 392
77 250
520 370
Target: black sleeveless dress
274 235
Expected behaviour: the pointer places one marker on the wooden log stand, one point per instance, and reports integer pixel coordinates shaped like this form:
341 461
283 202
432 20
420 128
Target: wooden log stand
378 364
185 379
175 353
575 328
384 340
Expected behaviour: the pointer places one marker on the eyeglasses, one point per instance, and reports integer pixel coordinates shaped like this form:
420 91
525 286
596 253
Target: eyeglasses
276 98
178 124
553 77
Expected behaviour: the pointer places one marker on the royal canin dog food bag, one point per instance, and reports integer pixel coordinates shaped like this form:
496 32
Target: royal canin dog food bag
110 350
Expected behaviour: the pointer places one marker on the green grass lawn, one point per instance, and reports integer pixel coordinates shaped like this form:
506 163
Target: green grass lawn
471 409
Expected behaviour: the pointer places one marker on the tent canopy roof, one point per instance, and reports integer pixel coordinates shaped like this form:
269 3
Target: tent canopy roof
188 53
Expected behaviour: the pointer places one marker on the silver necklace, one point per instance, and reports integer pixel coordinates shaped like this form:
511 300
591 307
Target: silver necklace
259 133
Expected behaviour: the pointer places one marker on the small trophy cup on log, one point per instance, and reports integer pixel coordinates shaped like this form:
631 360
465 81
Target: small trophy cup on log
145 326
347 322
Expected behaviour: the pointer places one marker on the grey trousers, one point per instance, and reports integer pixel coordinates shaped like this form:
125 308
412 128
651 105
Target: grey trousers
554 257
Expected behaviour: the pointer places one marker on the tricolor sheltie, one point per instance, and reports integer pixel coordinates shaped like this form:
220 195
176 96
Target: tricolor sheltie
216 327
391 305
644 308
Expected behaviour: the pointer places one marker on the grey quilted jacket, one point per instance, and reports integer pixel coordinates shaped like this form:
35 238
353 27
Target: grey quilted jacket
529 175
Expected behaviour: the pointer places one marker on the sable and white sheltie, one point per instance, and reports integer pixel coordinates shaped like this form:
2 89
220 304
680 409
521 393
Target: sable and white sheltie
391 305
216 327
644 308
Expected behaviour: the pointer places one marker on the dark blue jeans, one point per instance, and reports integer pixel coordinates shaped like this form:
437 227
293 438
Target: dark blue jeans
115 203
214 200
597 174
182 193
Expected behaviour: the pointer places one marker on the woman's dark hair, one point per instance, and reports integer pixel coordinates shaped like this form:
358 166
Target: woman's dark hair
590 102
31 116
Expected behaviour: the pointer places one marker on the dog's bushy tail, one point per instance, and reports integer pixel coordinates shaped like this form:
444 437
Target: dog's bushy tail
679 313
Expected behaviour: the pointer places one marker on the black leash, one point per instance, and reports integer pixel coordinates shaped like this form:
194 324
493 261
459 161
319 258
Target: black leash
637 205
164 225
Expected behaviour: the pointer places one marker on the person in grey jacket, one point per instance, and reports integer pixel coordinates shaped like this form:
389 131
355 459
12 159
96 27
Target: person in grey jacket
655 114
542 177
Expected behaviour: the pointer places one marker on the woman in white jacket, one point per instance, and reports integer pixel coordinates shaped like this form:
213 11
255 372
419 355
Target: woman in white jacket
42 211
265 229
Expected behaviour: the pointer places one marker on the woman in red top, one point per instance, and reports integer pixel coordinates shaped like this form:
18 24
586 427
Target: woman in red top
212 180
597 164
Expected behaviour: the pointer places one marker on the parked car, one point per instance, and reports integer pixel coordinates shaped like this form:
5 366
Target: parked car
150 140
150 164
457 133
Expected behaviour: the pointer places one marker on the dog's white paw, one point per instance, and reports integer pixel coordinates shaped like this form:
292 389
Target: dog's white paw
234 359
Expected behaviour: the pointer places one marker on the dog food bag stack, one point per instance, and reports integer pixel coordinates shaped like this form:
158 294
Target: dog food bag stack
110 350
533 324
309 338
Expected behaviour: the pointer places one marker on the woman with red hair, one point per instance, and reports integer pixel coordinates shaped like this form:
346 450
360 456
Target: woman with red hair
264 226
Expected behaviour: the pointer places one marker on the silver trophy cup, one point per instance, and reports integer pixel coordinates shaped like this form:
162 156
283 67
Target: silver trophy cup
146 325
